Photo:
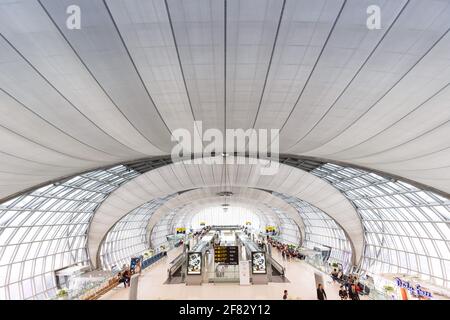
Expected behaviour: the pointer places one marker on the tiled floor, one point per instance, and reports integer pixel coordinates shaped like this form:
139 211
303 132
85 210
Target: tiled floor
300 274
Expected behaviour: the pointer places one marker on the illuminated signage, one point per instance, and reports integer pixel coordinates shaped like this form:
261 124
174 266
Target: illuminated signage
226 255
194 263
417 291
258 262
180 230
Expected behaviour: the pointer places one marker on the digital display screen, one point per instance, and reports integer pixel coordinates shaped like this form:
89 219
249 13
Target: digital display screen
259 263
226 255
194 263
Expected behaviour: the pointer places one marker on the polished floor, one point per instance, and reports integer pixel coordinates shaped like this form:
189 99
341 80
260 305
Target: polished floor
300 274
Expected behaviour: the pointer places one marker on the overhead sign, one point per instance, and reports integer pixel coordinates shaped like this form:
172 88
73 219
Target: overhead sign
417 291
181 230
226 255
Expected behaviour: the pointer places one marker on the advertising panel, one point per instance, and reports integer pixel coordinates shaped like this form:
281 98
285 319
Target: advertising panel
194 263
259 263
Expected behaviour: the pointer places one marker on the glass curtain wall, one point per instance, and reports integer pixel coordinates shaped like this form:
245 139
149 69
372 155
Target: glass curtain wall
45 230
129 237
164 228
407 230
321 230
288 229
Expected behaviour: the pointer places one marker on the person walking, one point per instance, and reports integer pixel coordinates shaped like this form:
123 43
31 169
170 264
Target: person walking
321 295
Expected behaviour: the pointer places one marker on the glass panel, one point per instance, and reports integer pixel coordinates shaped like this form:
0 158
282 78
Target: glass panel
420 217
49 230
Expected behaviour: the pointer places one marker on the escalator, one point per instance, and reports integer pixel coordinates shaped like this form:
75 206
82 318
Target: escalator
278 273
275 271
175 273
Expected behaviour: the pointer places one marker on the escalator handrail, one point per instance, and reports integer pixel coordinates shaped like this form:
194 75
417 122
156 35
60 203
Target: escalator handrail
176 263
277 265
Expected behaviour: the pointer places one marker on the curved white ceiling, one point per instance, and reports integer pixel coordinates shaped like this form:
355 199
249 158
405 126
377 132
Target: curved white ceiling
112 91
181 176
261 200
194 200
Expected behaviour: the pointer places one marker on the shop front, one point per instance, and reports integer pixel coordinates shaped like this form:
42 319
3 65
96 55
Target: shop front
408 287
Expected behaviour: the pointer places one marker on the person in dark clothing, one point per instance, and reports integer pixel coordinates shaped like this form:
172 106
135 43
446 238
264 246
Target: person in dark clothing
285 295
125 278
347 286
321 295
343 293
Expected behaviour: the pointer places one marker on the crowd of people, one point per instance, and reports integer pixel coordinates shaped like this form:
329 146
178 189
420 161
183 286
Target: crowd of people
200 233
350 288
347 291
287 252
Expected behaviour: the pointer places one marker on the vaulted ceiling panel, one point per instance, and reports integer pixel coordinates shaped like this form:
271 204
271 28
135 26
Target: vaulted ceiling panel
112 91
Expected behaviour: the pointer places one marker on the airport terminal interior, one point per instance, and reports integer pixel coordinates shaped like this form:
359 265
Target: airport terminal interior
224 150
